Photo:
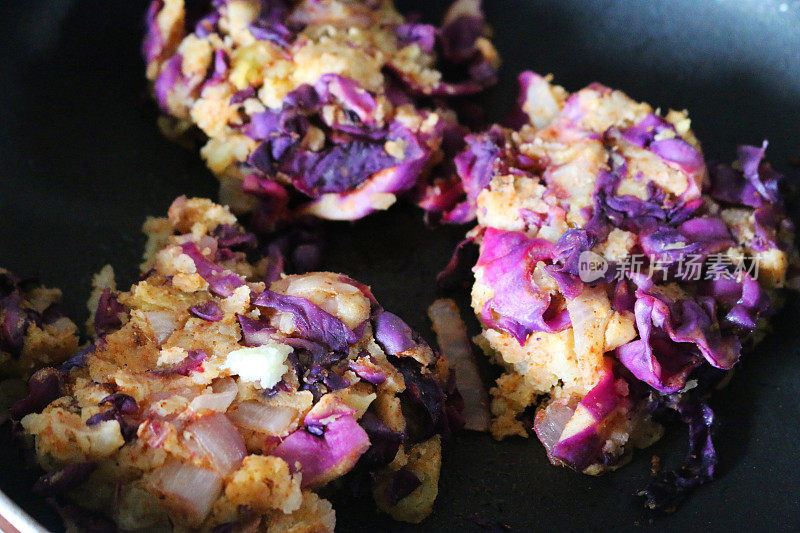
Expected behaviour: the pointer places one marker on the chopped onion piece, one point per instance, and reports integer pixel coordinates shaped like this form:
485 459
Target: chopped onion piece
188 491
219 440
263 418
451 334
162 323
589 313
551 421
225 391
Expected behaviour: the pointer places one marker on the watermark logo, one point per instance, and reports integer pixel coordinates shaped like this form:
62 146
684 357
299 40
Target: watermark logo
591 266
690 267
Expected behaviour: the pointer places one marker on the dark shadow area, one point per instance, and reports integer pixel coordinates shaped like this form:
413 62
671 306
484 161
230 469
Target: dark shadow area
83 163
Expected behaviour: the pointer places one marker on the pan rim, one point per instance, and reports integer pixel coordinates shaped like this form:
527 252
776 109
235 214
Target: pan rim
14 520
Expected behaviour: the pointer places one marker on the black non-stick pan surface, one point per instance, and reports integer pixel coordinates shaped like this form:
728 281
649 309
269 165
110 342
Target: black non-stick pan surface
82 163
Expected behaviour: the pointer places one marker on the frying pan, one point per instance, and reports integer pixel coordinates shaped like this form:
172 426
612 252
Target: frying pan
82 163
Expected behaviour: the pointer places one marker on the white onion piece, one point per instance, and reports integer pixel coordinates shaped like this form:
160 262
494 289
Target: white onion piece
262 418
225 385
212 402
189 491
589 313
225 391
162 395
162 323
219 441
451 334
551 421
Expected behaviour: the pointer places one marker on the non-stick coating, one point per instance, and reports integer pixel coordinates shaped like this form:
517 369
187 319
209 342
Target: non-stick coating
82 163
